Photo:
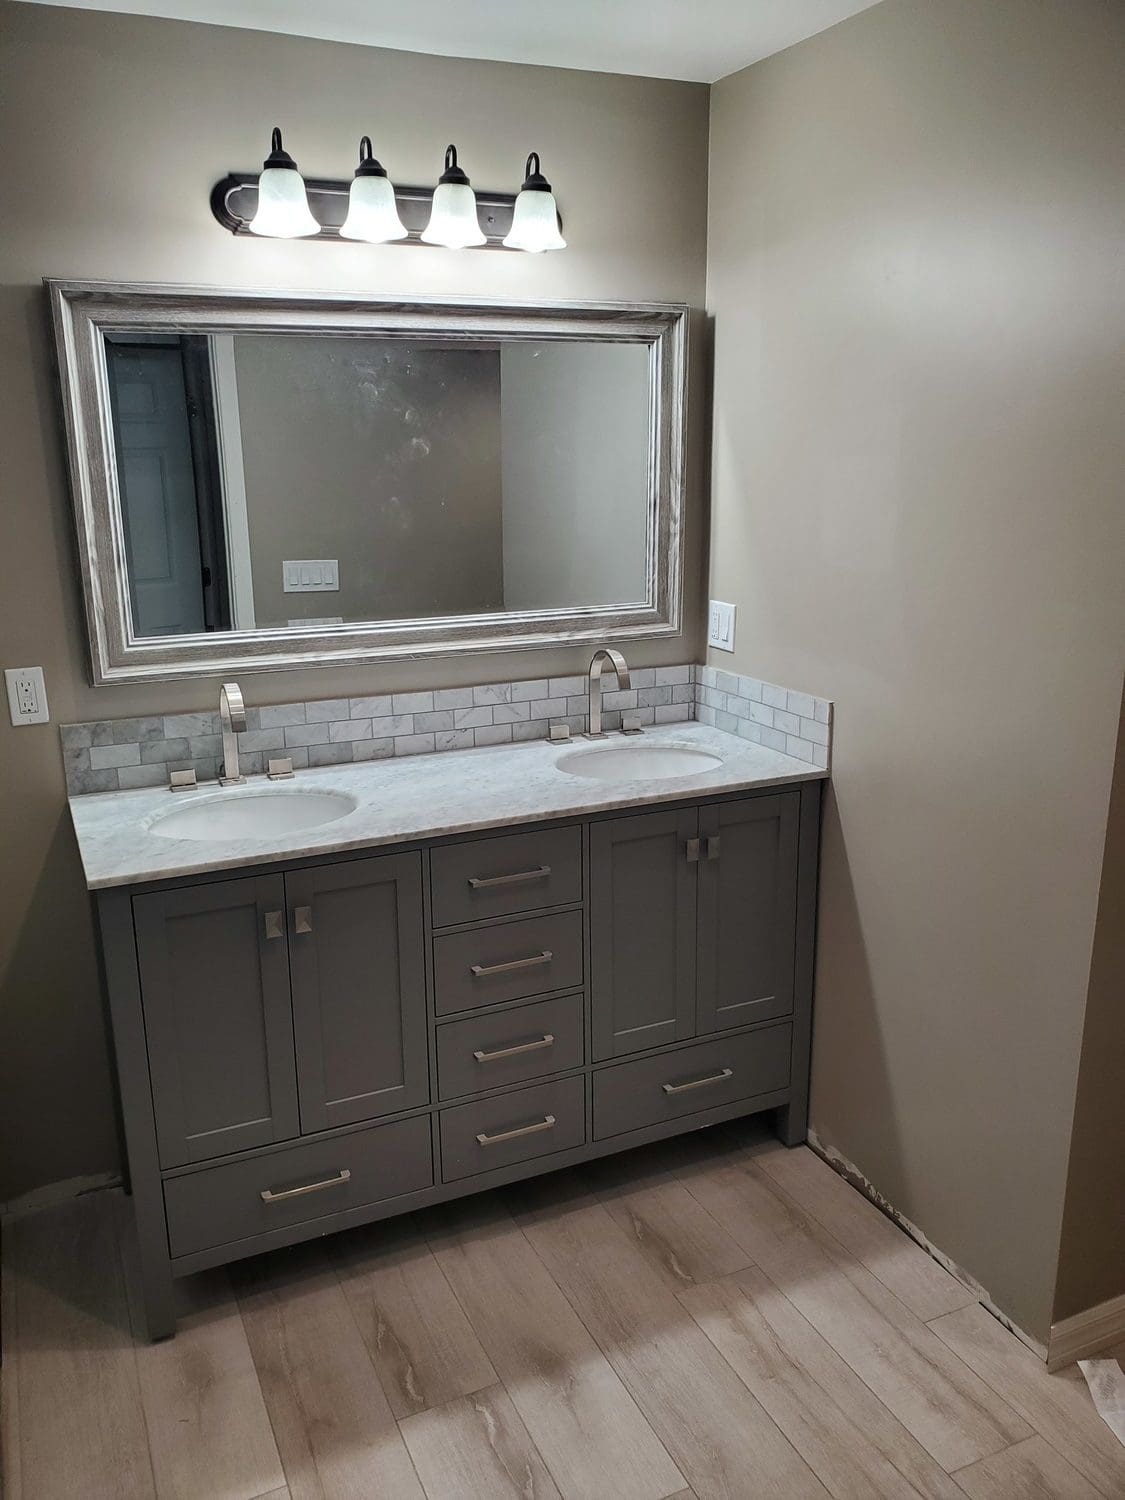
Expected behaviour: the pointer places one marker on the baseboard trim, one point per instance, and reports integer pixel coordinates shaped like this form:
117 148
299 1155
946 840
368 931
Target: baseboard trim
1086 1332
851 1173
58 1192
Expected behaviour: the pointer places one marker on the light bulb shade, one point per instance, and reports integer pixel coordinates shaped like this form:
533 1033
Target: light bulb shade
283 206
535 223
372 212
453 212
453 217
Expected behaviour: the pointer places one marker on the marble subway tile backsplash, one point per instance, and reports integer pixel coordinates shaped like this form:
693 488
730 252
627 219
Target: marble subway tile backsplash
780 718
120 754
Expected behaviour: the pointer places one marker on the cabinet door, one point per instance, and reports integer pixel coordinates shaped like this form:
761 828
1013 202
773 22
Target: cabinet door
359 991
215 989
747 910
642 931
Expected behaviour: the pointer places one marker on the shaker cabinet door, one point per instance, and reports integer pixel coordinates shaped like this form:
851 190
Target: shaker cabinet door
642 931
747 910
356 946
215 985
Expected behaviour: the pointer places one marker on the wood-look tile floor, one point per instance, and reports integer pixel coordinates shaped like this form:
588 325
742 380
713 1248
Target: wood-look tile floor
713 1317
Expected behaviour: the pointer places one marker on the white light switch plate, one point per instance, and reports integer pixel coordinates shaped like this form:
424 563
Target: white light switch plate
720 625
315 575
27 695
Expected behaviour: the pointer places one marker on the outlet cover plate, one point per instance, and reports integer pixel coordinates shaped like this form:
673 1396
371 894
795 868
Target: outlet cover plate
27 695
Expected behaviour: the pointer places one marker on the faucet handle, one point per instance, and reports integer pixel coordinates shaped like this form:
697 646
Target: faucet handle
631 722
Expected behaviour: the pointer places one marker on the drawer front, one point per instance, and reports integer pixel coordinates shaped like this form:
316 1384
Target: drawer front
491 1133
507 962
690 1079
486 878
220 1204
510 1047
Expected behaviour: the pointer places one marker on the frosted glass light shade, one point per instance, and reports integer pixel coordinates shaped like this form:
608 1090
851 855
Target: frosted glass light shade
453 217
283 207
372 212
535 223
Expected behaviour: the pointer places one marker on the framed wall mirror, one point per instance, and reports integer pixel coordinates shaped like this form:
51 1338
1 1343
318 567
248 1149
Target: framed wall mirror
264 481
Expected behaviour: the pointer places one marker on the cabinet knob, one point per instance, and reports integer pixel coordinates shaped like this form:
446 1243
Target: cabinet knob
302 919
692 846
275 926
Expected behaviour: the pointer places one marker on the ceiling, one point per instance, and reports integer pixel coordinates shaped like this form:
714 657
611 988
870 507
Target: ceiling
700 40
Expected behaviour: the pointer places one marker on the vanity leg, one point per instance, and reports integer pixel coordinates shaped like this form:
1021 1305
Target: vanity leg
159 1300
791 1122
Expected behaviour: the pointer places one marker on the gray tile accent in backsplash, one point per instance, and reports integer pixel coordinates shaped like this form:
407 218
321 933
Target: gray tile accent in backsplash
118 754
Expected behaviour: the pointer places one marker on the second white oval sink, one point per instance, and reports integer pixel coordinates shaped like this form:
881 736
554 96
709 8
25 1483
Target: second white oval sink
638 762
253 815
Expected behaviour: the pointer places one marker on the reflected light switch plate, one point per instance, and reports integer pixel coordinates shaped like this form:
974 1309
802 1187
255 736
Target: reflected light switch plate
315 575
720 625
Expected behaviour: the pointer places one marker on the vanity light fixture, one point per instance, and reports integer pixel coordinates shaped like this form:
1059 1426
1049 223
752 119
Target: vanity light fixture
279 203
372 211
535 220
283 206
453 214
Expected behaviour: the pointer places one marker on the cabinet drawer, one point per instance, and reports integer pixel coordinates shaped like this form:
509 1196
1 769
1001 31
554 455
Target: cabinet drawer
220 1204
508 961
509 1047
689 1080
485 878
491 1133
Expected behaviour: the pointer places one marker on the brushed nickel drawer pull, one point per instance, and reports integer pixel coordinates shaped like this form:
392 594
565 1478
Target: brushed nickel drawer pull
692 848
546 1040
482 971
302 919
269 1196
697 1083
482 882
546 1123
275 927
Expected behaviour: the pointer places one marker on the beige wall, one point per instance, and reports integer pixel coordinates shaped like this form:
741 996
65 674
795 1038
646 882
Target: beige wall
114 129
916 224
381 454
575 421
1092 1245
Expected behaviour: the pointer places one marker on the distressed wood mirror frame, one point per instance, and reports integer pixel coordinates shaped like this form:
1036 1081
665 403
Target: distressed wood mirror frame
84 310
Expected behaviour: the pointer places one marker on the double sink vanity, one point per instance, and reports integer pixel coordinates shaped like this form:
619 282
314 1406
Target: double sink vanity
376 986
371 953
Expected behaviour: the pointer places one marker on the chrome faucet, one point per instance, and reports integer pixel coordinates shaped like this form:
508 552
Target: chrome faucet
232 714
617 662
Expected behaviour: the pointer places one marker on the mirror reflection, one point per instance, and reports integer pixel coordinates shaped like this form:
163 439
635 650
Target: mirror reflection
302 480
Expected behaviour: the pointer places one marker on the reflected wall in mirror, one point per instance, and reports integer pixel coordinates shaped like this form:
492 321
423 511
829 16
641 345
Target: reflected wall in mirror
263 482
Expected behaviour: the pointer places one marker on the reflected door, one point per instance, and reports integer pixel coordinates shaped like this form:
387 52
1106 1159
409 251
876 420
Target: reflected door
157 479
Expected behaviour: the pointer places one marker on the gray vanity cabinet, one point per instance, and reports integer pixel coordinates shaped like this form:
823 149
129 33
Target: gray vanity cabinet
359 988
692 921
747 911
642 931
353 1037
214 973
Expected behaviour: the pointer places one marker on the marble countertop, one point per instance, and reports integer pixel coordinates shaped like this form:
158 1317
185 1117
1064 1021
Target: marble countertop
411 797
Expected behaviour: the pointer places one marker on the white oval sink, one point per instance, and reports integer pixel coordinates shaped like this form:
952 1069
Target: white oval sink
638 762
253 815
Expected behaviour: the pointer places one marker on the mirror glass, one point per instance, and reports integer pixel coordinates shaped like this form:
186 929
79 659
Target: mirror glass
278 481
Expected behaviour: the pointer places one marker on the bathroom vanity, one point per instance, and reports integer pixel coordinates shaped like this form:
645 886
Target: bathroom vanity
467 968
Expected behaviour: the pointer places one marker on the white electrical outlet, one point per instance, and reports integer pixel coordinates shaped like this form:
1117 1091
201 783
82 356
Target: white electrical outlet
27 695
316 575
720 625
